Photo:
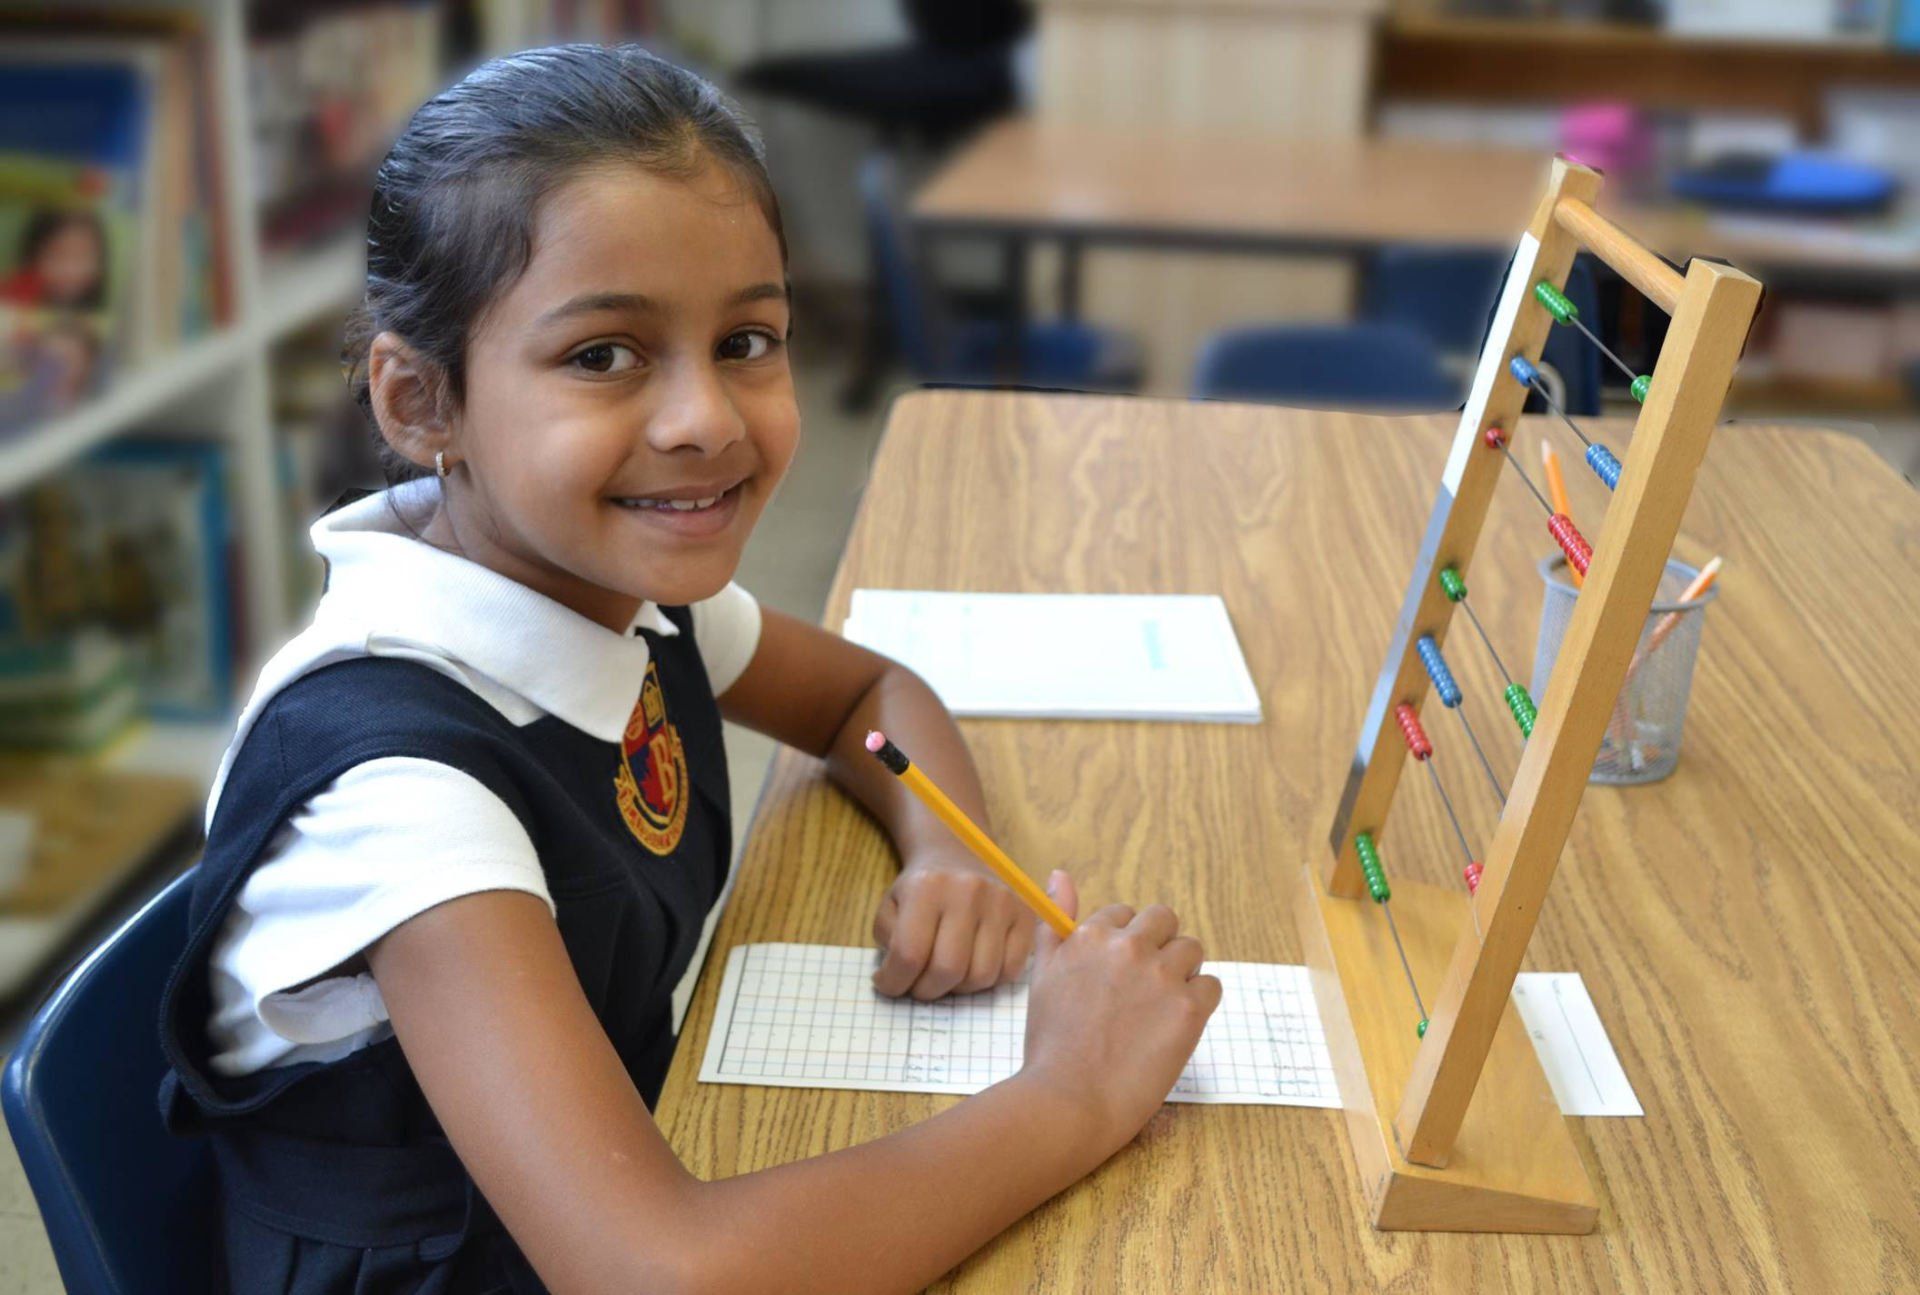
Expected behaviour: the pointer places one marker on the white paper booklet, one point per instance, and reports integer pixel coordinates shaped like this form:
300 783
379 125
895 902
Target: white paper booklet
1066 656
807 1016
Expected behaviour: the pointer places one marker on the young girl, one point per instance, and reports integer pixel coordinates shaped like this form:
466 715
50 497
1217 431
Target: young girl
475 815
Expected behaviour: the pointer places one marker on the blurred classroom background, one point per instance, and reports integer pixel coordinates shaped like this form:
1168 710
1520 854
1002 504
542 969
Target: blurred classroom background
1302 201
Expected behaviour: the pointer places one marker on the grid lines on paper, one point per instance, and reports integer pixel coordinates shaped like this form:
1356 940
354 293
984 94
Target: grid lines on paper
809 1012
808 1016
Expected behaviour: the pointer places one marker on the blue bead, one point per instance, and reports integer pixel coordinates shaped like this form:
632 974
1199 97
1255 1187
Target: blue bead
1437 670
1604 465
1522 370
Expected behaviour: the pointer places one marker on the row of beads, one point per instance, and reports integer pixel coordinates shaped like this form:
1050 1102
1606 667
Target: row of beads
1370 867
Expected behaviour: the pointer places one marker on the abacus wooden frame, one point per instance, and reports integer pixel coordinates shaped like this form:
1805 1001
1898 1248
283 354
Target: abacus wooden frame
1458 1131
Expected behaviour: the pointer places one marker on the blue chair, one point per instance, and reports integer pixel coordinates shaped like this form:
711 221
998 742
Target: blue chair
126 1204
980 352
1448 296
1373 366
1445 294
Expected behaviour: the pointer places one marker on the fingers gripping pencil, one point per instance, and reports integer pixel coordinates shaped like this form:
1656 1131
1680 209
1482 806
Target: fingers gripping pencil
970 834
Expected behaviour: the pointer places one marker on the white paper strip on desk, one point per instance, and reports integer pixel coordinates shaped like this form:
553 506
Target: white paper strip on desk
807 1016
1066 656
1582 1068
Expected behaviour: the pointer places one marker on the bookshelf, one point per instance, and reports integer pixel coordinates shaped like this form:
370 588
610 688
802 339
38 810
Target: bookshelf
227 385
222 381
221 385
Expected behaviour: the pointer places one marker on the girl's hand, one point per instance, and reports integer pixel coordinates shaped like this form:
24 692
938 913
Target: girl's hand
949 926
1115 1010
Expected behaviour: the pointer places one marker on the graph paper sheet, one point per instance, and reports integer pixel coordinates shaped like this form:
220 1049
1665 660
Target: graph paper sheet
807 1016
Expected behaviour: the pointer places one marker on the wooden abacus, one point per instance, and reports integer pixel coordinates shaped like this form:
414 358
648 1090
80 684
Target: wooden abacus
1454 1127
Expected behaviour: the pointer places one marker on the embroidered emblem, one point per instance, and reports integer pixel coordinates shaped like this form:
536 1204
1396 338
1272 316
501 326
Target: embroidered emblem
651 783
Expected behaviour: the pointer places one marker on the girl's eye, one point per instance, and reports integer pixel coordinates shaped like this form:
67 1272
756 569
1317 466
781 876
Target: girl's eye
748 344
605 357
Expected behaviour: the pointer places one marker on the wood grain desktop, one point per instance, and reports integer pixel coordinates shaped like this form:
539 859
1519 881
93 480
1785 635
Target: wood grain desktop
1748 928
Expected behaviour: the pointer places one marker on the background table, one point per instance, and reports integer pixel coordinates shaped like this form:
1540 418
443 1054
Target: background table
1024 181
1747 929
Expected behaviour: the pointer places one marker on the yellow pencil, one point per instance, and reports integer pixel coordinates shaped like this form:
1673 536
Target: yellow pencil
1557 491
970 834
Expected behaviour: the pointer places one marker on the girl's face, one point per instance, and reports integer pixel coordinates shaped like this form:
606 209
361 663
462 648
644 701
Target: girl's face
628 408
71 263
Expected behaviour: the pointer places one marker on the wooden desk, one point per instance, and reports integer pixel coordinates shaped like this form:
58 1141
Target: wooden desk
1748 929
1226 191
1021 181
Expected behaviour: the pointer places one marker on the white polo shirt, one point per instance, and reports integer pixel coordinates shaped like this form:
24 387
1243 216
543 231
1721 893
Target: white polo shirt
391 838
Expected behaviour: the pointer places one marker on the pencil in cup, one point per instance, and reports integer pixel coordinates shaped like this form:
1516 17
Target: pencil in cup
1643 734
1662 630
970 834
1557 491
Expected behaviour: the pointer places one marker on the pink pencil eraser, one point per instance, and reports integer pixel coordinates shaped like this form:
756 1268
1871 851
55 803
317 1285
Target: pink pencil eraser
875 740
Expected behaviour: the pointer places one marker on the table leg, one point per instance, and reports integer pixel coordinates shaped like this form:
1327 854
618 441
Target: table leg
1014 258
1070 253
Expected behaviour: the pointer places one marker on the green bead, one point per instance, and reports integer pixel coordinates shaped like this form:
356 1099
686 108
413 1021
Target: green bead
1555 301
1641 385
1524 713
1454 587
1370 867
1421 1029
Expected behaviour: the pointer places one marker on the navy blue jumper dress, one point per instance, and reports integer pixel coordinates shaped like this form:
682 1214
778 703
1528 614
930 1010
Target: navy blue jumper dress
336 1177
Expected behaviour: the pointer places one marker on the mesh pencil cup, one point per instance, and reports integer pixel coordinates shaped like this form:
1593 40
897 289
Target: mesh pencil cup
1642 739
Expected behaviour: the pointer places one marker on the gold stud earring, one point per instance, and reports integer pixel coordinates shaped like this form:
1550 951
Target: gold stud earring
440 468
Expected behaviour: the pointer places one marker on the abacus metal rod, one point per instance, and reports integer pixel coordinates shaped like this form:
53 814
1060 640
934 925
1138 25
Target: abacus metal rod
1387 908
1468 608
1554 405
1493 780
1448 802
1515 464
1618 363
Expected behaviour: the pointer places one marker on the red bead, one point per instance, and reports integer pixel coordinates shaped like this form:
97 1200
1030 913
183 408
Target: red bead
1416 736
1572 543
1472 873
1495 438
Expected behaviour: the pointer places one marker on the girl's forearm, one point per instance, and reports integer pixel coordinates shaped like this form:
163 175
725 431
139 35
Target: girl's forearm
900 704
895 1213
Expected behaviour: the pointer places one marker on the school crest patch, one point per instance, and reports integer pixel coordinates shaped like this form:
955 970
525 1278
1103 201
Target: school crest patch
651 783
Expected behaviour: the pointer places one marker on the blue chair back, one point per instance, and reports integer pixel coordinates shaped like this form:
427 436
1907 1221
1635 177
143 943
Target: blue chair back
127 1205
1365 365
1445 294
894 266
1448 294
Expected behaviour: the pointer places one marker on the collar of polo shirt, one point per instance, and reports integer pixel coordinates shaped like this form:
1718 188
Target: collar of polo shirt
410 595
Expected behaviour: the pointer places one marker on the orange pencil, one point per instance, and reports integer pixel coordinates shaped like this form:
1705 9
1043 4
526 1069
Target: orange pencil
1557 489
1697 586
970 834
1662 629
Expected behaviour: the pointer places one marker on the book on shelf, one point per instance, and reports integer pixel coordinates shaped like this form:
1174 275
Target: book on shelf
115 575
329 88
113 238
65 274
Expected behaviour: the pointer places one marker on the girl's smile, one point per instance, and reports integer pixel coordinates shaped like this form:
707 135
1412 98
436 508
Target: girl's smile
692 512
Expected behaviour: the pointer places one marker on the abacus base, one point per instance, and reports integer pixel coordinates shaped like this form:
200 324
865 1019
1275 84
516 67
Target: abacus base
1514 1166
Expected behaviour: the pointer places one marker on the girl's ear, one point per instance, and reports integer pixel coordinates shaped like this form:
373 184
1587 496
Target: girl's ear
409 399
